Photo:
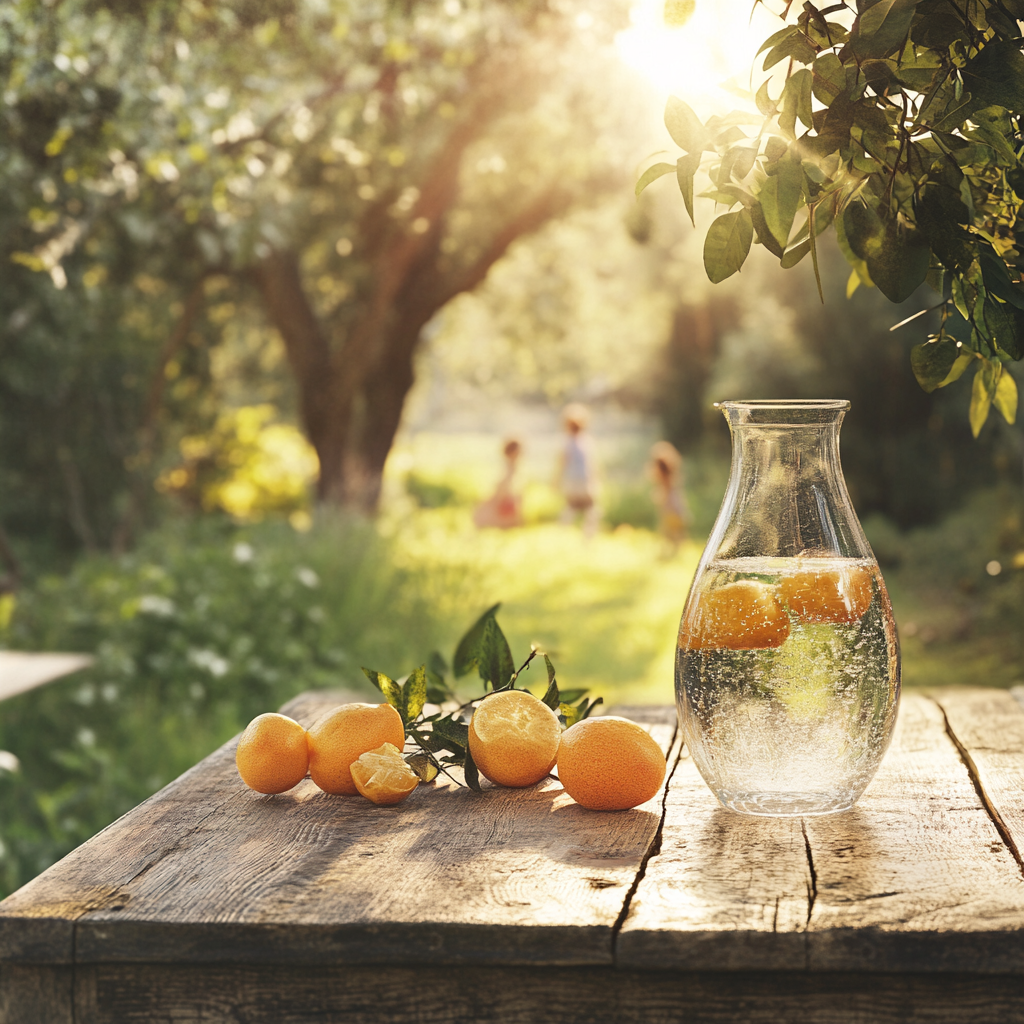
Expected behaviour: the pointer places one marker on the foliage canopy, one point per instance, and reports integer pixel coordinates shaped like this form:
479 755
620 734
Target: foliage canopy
898 125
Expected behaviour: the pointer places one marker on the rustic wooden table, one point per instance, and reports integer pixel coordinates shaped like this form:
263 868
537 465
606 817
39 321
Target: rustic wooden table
24 670
211 903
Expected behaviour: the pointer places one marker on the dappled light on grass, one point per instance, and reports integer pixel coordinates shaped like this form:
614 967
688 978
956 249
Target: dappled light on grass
606 608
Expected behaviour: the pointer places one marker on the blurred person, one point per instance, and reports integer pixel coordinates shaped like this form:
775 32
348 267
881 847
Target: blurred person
503 509
576 476
666 471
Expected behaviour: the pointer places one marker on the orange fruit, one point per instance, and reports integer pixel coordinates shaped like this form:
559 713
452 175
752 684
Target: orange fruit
610 764
513 738
272 755
745 615
828 594
382 775
343 735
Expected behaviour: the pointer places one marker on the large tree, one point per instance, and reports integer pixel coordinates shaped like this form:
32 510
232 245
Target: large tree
349 165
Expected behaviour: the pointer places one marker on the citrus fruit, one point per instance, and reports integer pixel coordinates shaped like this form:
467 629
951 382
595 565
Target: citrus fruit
382 775
745 615
513 738
828 594
272 755
341 736
609 763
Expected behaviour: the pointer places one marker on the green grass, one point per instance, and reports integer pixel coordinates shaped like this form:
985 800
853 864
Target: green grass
605 608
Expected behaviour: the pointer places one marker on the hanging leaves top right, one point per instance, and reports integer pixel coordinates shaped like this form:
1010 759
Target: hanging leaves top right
898 124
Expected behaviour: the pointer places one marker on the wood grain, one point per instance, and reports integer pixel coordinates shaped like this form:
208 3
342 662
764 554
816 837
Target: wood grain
36 994
988 727
509 876
916 877
170 994
726 891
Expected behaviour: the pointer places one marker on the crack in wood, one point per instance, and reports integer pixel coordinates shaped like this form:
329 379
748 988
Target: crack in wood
812 888
812 895
975 777
653 850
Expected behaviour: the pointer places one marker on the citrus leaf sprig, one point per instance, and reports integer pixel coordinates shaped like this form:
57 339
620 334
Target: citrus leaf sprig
443 737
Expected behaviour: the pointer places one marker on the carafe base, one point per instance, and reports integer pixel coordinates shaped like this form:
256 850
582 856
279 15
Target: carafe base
786 805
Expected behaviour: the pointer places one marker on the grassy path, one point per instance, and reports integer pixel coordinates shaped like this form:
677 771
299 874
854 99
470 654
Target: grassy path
606 608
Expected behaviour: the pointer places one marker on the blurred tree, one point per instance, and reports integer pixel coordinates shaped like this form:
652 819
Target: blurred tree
350 165
899 124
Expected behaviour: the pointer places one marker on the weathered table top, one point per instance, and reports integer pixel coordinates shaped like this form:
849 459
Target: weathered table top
209 902
25 670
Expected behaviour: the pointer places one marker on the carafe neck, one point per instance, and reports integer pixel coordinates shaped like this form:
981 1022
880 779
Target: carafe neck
787 496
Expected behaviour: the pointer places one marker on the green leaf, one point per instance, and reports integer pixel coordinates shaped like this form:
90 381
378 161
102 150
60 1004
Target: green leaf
983 390
777 37
834 133
450 734
880 30
470 771
1005 398
550 669
764 102
997 278
570 714
995 77
942 218
686 168
494 657
932 362
993 125
781 196
828 78
425 766
727 244
957 371
796 46
793 256
684 126
797 95
374 677
764 236
551 697
897 258
388 687
737 164
414 694
464 659
653 173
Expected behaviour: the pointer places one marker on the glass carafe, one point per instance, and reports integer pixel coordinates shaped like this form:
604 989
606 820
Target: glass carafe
788 665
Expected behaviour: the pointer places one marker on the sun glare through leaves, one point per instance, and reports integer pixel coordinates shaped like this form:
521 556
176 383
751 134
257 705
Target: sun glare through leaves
699 50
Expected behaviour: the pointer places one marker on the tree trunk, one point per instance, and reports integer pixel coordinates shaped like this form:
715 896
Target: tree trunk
352 389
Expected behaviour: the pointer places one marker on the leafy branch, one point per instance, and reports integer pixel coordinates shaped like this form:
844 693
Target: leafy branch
442 737
900 127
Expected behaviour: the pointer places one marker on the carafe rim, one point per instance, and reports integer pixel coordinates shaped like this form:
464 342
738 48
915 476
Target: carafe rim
805 404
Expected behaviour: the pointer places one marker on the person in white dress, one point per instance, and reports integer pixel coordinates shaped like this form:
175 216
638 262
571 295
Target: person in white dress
577 478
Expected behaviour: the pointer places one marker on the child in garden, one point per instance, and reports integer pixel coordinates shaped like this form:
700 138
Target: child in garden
503 509
666 469
577 479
